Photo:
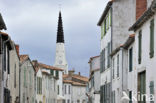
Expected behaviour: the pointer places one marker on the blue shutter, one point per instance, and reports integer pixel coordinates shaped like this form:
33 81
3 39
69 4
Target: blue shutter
152 90
139 46
152 38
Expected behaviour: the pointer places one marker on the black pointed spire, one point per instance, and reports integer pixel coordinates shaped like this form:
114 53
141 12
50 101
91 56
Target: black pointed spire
60 34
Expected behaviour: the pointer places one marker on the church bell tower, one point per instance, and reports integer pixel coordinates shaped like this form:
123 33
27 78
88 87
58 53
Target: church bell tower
60 57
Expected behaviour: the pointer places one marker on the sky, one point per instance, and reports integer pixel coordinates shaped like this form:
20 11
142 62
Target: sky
33 25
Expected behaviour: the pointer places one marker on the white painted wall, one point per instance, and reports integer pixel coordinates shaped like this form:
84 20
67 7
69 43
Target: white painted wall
60 57
14 65
79 93
67 95
147 63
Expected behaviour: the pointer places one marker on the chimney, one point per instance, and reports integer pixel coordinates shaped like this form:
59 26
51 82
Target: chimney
79 73
141 7
71 72
17 49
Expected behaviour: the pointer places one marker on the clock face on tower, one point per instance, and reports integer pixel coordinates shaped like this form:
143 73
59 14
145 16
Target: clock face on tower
60 61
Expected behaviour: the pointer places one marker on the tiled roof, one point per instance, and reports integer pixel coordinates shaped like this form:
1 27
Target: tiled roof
91 58
49 67
85 79
74 83
5 36
23 57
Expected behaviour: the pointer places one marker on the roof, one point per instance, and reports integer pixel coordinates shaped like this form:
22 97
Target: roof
2 23
91 58
23 57
105 12
6 37
128 42
74 83
38 65
146 16
44 72
85 79
49 67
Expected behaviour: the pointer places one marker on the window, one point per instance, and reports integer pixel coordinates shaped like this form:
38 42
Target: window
152 91
130 59
102 61
15 76
139 46
108 55
118 66
113 67
39 85
68 101
30 78
130 97
142 86
152 38
114 96
69 89
58 90
106 24
25 77
65 89
52 72
57 73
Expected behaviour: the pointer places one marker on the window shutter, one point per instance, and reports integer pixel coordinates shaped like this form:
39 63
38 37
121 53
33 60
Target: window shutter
152 90
4 47
110 16
118 66
52 72
130 59
101 94
139 46
104 94
113 68
102 30
8 60
104 60
105 27
130 96
41 85
114 97
101 61
109 46
152 38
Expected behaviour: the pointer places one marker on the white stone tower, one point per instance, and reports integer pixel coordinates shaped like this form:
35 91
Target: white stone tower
60 57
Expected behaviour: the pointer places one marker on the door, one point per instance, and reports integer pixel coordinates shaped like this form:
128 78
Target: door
142 87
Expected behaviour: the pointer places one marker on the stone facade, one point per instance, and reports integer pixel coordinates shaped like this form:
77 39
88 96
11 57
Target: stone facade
13 80
27 80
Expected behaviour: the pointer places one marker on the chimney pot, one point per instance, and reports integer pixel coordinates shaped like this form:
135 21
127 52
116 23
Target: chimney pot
17 49
141 7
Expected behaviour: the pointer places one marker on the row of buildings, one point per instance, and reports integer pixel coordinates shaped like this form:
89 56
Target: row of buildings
23 80
124 72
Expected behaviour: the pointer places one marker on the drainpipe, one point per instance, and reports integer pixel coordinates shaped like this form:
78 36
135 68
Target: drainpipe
111 46
122 65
